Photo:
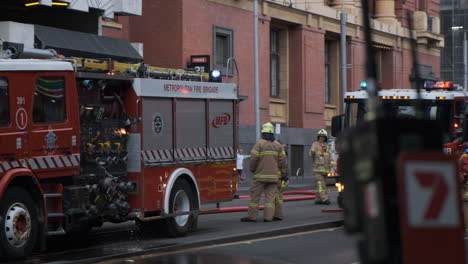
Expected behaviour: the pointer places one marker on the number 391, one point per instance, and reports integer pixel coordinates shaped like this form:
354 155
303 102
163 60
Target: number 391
20 100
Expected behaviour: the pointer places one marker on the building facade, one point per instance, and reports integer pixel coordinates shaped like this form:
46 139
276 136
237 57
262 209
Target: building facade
299 48
71 27
454 26
299 53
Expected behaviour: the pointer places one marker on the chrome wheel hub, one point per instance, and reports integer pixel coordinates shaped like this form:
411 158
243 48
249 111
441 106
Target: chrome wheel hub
17 225
181 204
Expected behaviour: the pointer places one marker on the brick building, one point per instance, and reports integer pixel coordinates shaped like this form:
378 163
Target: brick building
298 52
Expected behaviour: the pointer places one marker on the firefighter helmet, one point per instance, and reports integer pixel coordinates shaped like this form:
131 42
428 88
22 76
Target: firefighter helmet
322 133
267 128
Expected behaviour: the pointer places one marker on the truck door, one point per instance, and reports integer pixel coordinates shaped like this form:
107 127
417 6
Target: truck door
53 136
11 139
221 146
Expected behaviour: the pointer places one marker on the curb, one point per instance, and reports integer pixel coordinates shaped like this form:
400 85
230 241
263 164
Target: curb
223 240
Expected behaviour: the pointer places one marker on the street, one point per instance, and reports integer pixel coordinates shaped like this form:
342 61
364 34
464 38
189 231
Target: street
306 235
115 241
327 246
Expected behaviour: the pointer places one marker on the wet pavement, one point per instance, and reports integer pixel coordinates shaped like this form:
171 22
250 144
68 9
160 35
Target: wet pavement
200 258
329 246
113 241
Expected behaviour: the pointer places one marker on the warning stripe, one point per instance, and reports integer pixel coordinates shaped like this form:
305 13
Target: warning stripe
41 163
150 155
187 153
59 162
66 161
32 164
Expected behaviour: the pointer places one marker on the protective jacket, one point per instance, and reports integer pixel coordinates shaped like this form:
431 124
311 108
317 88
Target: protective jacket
464 163
321 157
268 161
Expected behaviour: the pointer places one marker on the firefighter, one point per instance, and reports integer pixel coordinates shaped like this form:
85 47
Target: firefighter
282 186
321 162
267 163
463 161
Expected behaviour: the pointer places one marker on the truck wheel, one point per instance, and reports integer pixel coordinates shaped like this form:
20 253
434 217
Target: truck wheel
18 223
150 229
182 199
340 201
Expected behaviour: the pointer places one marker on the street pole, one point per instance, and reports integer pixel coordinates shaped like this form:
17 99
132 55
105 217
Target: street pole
256 83
453 41
343 57
465 62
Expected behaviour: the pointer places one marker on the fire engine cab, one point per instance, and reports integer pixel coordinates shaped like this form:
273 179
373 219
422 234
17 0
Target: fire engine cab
440 101
87 141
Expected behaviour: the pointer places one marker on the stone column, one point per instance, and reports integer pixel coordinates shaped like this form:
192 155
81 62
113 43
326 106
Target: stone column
385 11
345 3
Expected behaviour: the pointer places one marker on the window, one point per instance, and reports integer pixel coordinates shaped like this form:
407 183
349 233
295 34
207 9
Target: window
4 102
422 5
274 63
328 87
49 100
223 48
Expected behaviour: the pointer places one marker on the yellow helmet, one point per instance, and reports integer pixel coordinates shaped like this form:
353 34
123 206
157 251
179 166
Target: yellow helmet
267 128
322 133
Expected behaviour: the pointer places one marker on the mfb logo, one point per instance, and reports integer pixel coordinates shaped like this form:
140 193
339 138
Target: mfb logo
221 120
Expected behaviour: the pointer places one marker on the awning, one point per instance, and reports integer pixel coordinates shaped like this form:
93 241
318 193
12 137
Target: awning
79 44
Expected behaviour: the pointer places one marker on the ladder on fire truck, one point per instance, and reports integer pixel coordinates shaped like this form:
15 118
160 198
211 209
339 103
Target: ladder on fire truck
141 70
104 66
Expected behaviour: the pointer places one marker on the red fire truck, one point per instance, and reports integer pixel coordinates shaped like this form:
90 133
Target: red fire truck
88 141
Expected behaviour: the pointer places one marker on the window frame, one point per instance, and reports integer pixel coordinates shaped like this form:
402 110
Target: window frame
229 34
8 114
275 54
65 115
328 93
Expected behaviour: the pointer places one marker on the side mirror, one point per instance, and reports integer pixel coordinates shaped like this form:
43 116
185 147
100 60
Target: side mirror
337 125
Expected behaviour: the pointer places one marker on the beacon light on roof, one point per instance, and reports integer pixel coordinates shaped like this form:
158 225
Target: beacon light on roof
215 76
444 85
363 85
54 3
428 84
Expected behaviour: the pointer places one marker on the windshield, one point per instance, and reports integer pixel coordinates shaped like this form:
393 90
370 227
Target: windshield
434 110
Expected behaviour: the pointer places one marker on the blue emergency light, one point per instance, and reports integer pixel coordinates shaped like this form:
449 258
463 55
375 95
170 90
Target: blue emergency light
363 85
215 76
428 84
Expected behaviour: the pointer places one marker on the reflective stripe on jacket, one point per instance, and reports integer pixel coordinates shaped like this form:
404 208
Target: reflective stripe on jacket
321 157
268 161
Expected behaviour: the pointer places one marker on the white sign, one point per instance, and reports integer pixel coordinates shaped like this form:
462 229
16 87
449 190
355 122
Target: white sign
278 128
184 89
431 191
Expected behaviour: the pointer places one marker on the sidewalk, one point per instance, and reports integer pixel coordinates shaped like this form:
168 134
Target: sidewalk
295 183
300 216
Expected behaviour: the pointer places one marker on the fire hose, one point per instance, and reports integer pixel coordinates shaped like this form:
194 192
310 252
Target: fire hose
306 195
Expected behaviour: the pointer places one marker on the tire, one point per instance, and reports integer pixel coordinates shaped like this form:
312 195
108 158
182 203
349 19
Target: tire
151 229
182 199
19 225
78 230
340 200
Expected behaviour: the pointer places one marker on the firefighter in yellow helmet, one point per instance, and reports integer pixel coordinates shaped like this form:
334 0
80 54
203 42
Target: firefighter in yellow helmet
321 161
268 164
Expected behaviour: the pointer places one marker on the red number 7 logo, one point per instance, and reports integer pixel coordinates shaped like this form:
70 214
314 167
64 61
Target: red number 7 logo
435 181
